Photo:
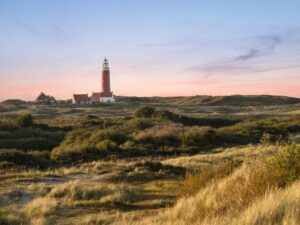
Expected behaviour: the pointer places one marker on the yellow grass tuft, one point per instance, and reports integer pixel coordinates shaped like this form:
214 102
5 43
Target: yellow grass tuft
41 207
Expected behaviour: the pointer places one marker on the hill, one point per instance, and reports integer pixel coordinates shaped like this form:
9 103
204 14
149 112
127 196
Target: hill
205 100
13 102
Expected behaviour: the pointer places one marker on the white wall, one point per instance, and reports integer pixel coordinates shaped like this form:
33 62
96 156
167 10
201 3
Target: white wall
107 99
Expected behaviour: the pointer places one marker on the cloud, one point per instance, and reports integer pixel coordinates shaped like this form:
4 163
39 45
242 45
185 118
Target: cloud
262 47
52 34
236 69
272 41
251 53
267 45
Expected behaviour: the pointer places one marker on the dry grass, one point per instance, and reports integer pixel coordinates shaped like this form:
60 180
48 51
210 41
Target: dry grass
41 207
222 192
251 189
11 216
104 193
195 180
238 154
277 207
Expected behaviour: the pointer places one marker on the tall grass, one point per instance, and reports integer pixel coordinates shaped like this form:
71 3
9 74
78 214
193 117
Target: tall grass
12 216
228 197
195 180
104 193
276 207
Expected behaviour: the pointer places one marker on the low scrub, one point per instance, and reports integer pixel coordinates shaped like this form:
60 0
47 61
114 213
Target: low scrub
157 135
25 120
37 137
18 157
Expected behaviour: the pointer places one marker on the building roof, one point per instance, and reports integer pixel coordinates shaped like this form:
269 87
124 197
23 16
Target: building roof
81 97
96 96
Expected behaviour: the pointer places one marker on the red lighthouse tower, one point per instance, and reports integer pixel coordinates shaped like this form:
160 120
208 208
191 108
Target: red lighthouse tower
106 94
105 81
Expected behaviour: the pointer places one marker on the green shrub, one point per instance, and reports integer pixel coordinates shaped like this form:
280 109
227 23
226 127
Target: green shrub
158 137
285 164
88 144
107 145
190 121
88 121
18 157
196 137
145 111
29 143
115 134
137 124
30 138
25 120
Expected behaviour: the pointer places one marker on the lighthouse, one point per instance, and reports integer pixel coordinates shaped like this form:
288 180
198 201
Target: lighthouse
105 80
106 94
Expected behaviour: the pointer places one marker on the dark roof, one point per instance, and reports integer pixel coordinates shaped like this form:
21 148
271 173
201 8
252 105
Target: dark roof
96 96
81 97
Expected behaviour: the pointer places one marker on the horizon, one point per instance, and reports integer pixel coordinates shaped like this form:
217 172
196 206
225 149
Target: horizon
157 96
155 49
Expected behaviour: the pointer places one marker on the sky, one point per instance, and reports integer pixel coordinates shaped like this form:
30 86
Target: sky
155 48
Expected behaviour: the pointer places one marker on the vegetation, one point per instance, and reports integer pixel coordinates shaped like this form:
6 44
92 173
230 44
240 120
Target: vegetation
222 201
146 165
30 158
25 120
238 100
166 133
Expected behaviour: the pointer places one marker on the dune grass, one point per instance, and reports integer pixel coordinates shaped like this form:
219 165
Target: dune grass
246 196
102 170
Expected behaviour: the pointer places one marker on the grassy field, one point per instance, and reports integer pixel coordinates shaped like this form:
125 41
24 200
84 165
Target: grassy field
156 161
196 106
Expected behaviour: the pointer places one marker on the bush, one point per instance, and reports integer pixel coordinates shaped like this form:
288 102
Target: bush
89 120
115 134
190 121
29 143
146 112
25 120
18 157
158 137
137 124
285 164
107 145
196 137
